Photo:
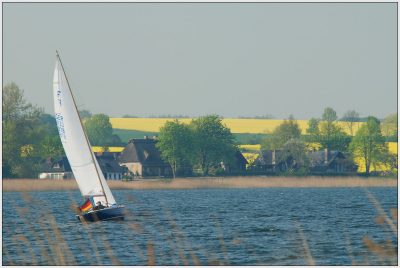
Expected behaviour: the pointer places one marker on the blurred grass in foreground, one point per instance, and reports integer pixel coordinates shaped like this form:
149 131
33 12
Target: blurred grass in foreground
44 243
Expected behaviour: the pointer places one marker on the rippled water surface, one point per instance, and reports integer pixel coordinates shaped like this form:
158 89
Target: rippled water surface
201 227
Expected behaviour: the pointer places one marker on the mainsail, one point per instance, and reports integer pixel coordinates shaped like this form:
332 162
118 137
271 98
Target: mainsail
76 145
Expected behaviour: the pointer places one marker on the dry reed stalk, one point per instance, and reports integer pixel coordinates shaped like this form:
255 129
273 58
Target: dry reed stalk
85 225
380 250
22 212
16 239
393 212
349 249
307 252
186 244
178 235
29 248
381 212
49 238
195 259
83 249
57 247
169 241
221 241
40 243
380 220
62 244
139 250
236 241
75 208
151 259
182 242
136 227
109 252
6 252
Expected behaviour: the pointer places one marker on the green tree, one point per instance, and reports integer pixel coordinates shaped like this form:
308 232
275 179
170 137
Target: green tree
85 114
12 143
22 133
15 107
294 155
328 127
333 137
175 142
327 132
389 127
213 142
313 127
129 116
313 132
350 118
99 130
287 130
368 144
329 115
51 146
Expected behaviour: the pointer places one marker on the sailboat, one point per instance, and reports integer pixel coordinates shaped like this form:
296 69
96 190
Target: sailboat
100 203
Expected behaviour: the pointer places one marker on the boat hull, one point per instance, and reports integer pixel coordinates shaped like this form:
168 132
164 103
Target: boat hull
105 214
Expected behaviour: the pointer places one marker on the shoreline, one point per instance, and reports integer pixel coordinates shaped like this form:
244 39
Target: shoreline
27 185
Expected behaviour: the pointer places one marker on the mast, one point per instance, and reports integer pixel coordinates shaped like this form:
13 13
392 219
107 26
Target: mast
83 130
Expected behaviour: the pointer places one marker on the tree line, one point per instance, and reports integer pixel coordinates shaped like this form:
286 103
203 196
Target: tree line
30 136
368 143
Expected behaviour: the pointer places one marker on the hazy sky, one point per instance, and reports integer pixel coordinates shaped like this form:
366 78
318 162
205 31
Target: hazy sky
193 59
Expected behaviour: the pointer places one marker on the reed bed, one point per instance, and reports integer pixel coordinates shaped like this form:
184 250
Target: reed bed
22 185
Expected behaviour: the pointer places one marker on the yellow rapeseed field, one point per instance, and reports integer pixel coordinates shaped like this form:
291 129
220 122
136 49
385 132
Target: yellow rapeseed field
143 124
393 147
253 126
99 149
250 147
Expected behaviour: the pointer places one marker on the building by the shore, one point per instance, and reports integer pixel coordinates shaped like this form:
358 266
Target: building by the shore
60 168
56 168
143 159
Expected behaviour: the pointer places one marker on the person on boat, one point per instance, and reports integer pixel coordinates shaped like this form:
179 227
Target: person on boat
99 206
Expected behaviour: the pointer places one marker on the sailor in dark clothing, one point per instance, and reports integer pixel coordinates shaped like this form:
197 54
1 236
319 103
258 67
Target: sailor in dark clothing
99 206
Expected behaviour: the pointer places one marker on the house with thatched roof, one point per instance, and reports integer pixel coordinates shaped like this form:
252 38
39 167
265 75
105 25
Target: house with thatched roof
268 161
238 164
328 161
320 162
143 159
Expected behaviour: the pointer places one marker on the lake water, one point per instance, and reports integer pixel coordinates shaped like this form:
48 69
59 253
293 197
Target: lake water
275 226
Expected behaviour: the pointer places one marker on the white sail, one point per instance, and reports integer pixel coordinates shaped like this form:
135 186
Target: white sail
83 163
